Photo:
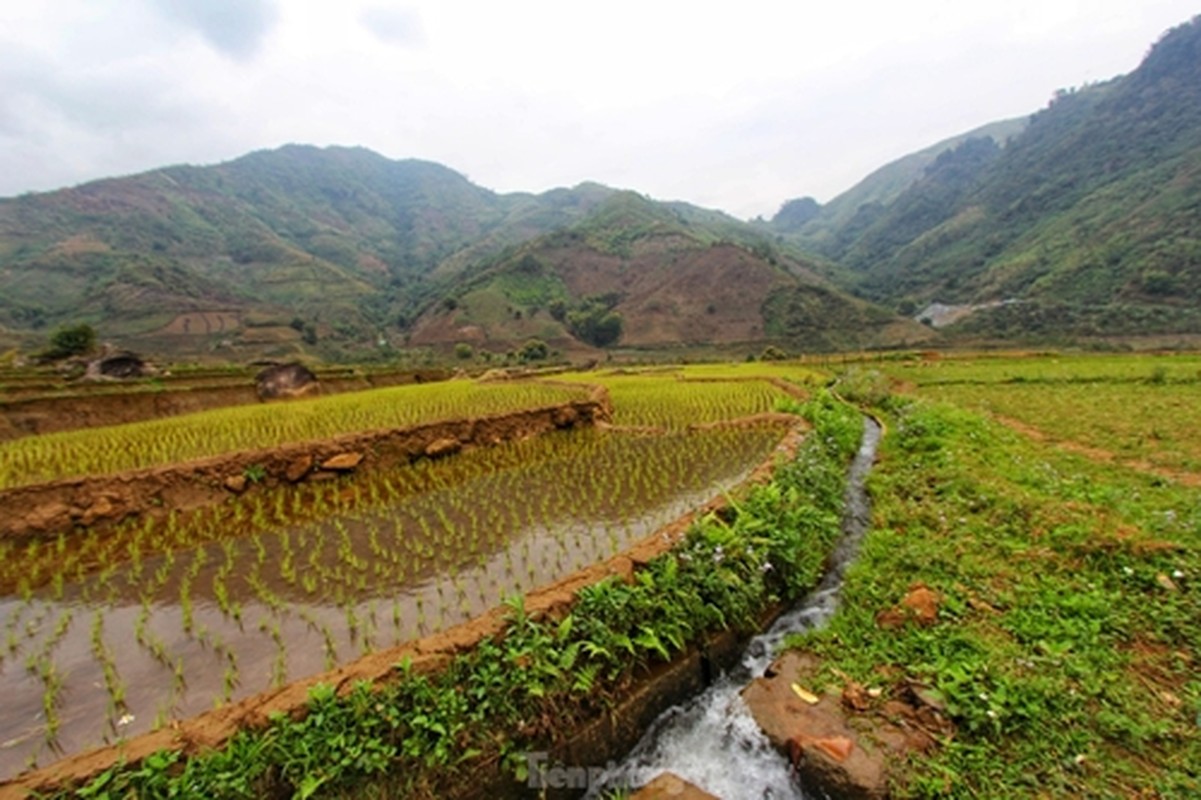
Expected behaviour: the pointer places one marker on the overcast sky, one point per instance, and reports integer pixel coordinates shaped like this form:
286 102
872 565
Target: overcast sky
730 105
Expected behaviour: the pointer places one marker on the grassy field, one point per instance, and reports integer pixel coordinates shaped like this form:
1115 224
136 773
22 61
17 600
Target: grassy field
1130 408
1067 647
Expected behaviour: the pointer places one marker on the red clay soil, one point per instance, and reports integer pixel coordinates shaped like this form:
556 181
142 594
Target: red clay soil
55 506
428 655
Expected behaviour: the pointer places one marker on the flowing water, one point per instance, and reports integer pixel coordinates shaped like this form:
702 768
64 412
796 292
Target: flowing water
712 741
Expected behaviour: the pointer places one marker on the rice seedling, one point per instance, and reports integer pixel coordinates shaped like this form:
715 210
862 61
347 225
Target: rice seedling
164 441
407 552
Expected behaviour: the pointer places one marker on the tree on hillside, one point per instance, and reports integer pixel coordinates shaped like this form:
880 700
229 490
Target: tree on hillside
533 350
594 321
71 340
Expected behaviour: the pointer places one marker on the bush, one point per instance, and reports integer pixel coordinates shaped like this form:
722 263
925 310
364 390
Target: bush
533 350
72 340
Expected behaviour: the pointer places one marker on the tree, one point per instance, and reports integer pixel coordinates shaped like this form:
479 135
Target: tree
464 351
533 350
72 340
594 322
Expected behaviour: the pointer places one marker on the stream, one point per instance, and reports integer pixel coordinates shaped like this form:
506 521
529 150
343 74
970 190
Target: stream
712 741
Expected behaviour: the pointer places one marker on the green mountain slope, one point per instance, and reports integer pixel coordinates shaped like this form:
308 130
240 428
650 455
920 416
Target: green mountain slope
339 249
821 225
1093 210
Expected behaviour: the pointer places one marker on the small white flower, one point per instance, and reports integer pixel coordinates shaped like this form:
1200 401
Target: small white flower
991 714
126 719
1177 574
1127 570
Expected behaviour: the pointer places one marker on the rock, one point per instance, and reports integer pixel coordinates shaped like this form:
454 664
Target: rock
298 468
855 697
101 508
671 785
831 755
443 447
342 462
48 516
120 365
919 605
236 483
565 417
283 381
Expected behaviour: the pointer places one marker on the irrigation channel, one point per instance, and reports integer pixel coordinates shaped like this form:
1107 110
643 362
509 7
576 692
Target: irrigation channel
712 741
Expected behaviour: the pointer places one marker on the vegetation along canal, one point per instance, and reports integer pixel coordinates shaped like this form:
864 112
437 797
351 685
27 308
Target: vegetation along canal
712 741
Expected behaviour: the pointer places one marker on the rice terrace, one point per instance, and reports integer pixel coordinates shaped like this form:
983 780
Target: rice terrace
328 471
155 633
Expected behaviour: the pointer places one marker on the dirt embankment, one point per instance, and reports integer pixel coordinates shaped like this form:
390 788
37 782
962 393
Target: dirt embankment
595 742
29 416
47 508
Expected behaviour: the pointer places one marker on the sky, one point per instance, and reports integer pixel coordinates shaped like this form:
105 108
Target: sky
731 105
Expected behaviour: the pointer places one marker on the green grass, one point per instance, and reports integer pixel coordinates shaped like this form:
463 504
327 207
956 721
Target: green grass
1048 368
1069 635
1139 408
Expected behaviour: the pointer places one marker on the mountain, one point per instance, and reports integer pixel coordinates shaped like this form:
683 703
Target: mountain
336 250
1087 221
650 275
880 188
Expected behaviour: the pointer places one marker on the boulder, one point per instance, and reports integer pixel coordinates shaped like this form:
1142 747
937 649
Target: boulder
284 381
236 483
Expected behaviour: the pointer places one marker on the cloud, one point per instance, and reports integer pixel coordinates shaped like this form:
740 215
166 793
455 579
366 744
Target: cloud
398 26
237 28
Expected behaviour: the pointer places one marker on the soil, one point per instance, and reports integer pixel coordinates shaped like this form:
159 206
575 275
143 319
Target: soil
426 655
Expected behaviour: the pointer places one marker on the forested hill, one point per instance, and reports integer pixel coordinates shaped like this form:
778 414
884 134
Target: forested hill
1091 215
341 252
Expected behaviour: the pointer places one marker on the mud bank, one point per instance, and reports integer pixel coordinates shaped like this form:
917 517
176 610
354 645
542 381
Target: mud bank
46 509
592 742
106 405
